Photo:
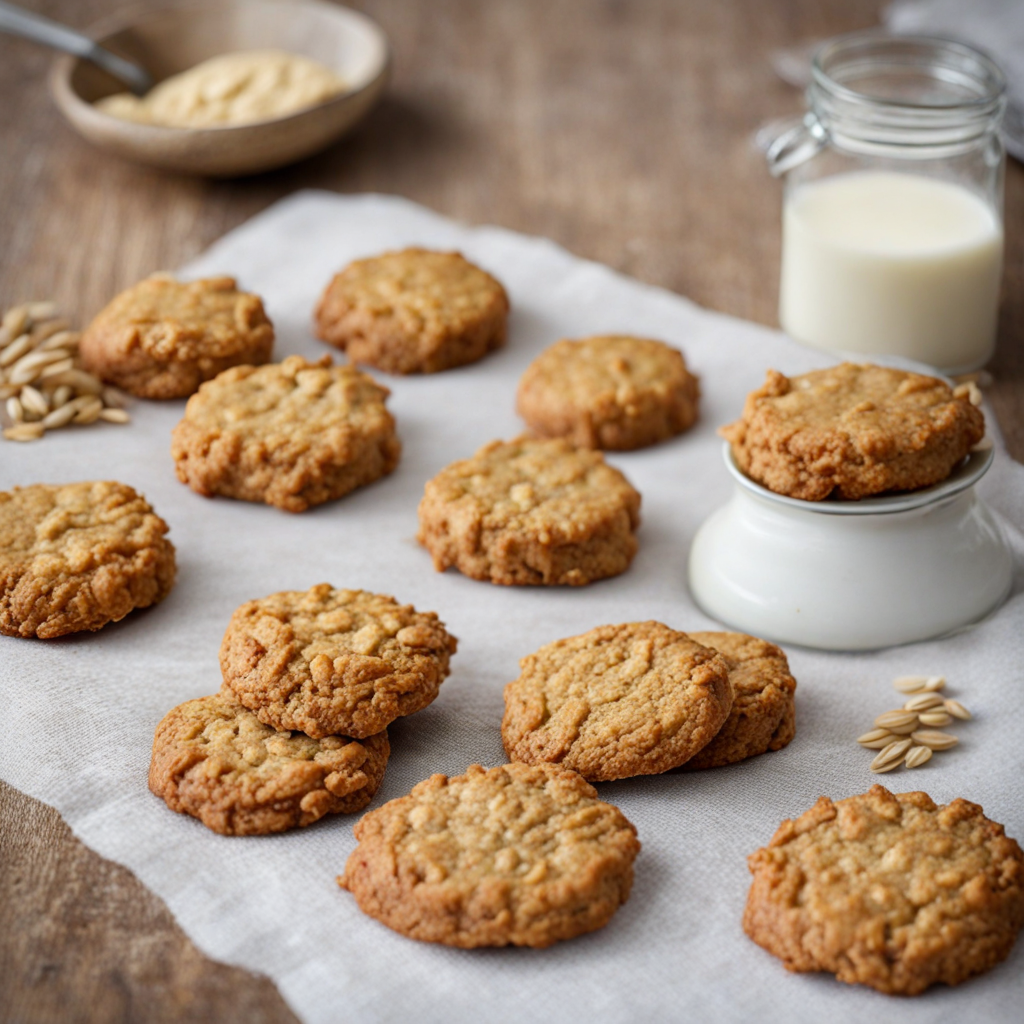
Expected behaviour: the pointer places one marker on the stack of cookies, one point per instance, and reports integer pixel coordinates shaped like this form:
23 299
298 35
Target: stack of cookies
525 853
311 681
642 699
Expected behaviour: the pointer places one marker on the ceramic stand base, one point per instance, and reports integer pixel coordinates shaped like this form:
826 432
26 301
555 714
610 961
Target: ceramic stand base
853 575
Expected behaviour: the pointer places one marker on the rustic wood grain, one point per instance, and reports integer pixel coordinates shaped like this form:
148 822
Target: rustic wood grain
622 130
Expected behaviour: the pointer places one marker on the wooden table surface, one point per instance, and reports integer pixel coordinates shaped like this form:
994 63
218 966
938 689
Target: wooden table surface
620 130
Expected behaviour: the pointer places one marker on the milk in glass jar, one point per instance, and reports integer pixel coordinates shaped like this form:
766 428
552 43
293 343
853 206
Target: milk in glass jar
892 235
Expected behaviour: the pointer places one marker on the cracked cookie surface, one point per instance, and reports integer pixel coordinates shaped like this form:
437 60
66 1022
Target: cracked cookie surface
632 699
413 311
214 760
763 715
609 391
531 512
852 431
162 338
515 855
74 557
334 661
291 434
890 891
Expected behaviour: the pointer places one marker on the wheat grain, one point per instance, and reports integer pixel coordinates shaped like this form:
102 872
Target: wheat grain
891 756
938 718
917 756
909 684
34 401
15 320
898 721
24 432
16 350
957 710
876 739
934 739
923 702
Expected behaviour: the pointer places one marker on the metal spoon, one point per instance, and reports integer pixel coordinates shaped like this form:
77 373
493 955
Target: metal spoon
19 22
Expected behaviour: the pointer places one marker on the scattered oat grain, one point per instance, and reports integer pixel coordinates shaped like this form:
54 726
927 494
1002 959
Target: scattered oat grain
917 756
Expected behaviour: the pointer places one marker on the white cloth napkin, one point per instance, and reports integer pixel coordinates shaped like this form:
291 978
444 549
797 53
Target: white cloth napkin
78 713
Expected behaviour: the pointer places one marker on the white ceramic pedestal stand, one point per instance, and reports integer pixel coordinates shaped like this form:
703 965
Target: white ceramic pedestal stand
853 575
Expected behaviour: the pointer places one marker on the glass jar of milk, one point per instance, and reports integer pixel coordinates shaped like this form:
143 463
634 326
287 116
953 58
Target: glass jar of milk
892 236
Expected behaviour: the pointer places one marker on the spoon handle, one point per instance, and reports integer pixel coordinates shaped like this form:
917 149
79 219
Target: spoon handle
19 22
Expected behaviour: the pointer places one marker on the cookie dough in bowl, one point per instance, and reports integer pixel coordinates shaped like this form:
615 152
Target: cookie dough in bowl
169 40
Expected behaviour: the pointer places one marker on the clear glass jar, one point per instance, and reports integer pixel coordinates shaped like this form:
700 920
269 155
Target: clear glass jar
892 212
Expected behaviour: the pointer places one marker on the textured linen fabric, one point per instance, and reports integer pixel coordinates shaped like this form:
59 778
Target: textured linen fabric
78 713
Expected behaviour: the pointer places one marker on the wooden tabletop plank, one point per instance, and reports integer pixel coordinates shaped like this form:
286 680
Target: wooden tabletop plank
621 130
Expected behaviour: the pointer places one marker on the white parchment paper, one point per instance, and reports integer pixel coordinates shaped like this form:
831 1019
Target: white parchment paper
77 714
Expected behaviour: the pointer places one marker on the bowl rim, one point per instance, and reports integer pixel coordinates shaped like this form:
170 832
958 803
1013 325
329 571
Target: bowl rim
66 96
966 474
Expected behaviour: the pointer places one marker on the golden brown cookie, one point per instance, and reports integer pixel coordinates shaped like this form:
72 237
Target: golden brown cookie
516 855
889 891
612 392
619 701
162 338
531 511
414 311
334 661
77 556
216 761
291 434
852 431
763 715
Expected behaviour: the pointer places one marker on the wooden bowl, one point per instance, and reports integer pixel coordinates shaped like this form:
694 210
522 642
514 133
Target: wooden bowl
172 39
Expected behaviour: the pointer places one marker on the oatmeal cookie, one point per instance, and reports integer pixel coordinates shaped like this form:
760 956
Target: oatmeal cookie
216 761
852 431
334 661
531 511
414 311
889 891
763 715
611 392
76 556
619 701
162 338
291 434
517 855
